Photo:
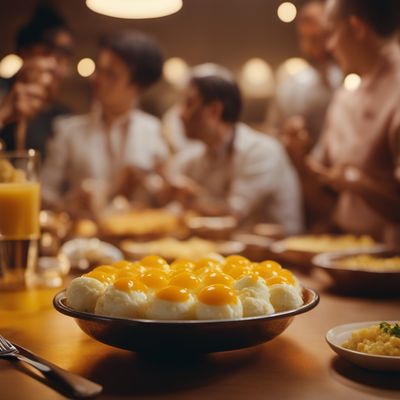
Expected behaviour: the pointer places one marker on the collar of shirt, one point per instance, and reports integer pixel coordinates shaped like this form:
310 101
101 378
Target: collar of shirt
224 150
122 120
390 55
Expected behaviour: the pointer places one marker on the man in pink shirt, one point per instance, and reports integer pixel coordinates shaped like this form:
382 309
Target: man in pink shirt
356 164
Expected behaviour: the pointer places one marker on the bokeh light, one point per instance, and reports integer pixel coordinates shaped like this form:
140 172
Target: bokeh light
10 65
176 71
256 78
290 67
86 67
287 12
352 82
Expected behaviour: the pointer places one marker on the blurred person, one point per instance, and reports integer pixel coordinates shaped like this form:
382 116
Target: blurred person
237 170
356 164
173 128
116 145
45 45
307 94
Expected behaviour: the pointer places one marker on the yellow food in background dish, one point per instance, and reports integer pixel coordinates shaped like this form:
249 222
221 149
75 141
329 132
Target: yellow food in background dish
207 289
140 222
171 248
367 262
327 243
382 339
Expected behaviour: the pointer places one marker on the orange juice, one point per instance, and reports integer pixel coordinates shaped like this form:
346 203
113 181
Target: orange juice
19 210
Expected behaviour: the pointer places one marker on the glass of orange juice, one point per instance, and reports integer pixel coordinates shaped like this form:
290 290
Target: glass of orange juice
19 218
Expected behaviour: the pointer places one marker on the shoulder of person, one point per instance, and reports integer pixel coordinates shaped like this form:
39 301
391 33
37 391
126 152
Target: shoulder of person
250 140
148 120
71 123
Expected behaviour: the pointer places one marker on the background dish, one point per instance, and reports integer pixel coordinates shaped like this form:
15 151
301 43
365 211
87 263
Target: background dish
184 336
337 335
347 279
286 250
171 249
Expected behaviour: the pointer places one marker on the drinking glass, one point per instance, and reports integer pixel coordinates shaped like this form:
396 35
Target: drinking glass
19 218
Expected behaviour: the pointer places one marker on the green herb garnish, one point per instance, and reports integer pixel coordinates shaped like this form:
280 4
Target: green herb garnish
392 330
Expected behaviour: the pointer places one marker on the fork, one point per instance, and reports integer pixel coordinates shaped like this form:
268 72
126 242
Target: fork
76 386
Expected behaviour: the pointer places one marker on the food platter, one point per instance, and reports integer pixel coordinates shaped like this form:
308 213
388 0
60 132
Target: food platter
153 336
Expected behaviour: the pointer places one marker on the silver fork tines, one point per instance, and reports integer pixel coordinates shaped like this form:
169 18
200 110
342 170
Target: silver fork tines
6 347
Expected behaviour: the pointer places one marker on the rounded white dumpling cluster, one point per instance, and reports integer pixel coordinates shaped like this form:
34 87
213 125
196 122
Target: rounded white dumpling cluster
83 293
117 303
214 288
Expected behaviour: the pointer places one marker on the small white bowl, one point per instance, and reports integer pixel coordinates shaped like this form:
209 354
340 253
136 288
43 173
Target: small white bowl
339 334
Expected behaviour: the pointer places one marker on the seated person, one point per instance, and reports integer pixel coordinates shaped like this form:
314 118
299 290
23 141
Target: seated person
171 121
116 144
356 164
238 171
45 45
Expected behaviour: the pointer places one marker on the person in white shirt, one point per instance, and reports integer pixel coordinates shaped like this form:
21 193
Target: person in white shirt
307 94
172 124
238 170
112 148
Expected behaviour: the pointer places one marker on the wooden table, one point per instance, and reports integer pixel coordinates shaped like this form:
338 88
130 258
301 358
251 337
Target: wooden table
296 365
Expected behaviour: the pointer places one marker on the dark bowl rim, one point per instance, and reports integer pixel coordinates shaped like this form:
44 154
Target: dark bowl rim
64 309
326 261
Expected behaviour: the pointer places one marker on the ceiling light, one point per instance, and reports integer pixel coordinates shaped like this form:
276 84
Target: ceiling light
135 8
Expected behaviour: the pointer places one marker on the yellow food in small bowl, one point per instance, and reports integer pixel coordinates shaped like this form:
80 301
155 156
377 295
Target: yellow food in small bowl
382 339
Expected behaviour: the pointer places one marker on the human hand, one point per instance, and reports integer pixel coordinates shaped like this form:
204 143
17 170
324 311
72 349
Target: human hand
128 178
339 178
31 90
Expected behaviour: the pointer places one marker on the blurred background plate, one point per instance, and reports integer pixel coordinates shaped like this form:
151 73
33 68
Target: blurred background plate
144 224
300 250
170 248
84 253
213 228
360 277
179 336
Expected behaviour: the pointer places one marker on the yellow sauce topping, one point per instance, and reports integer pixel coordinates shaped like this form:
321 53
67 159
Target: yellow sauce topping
153 262
108 269
276 280
231 261
213 278
182 265
173 293
100 276
129 285
288 275
217 295
154 278
207 263
186 280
